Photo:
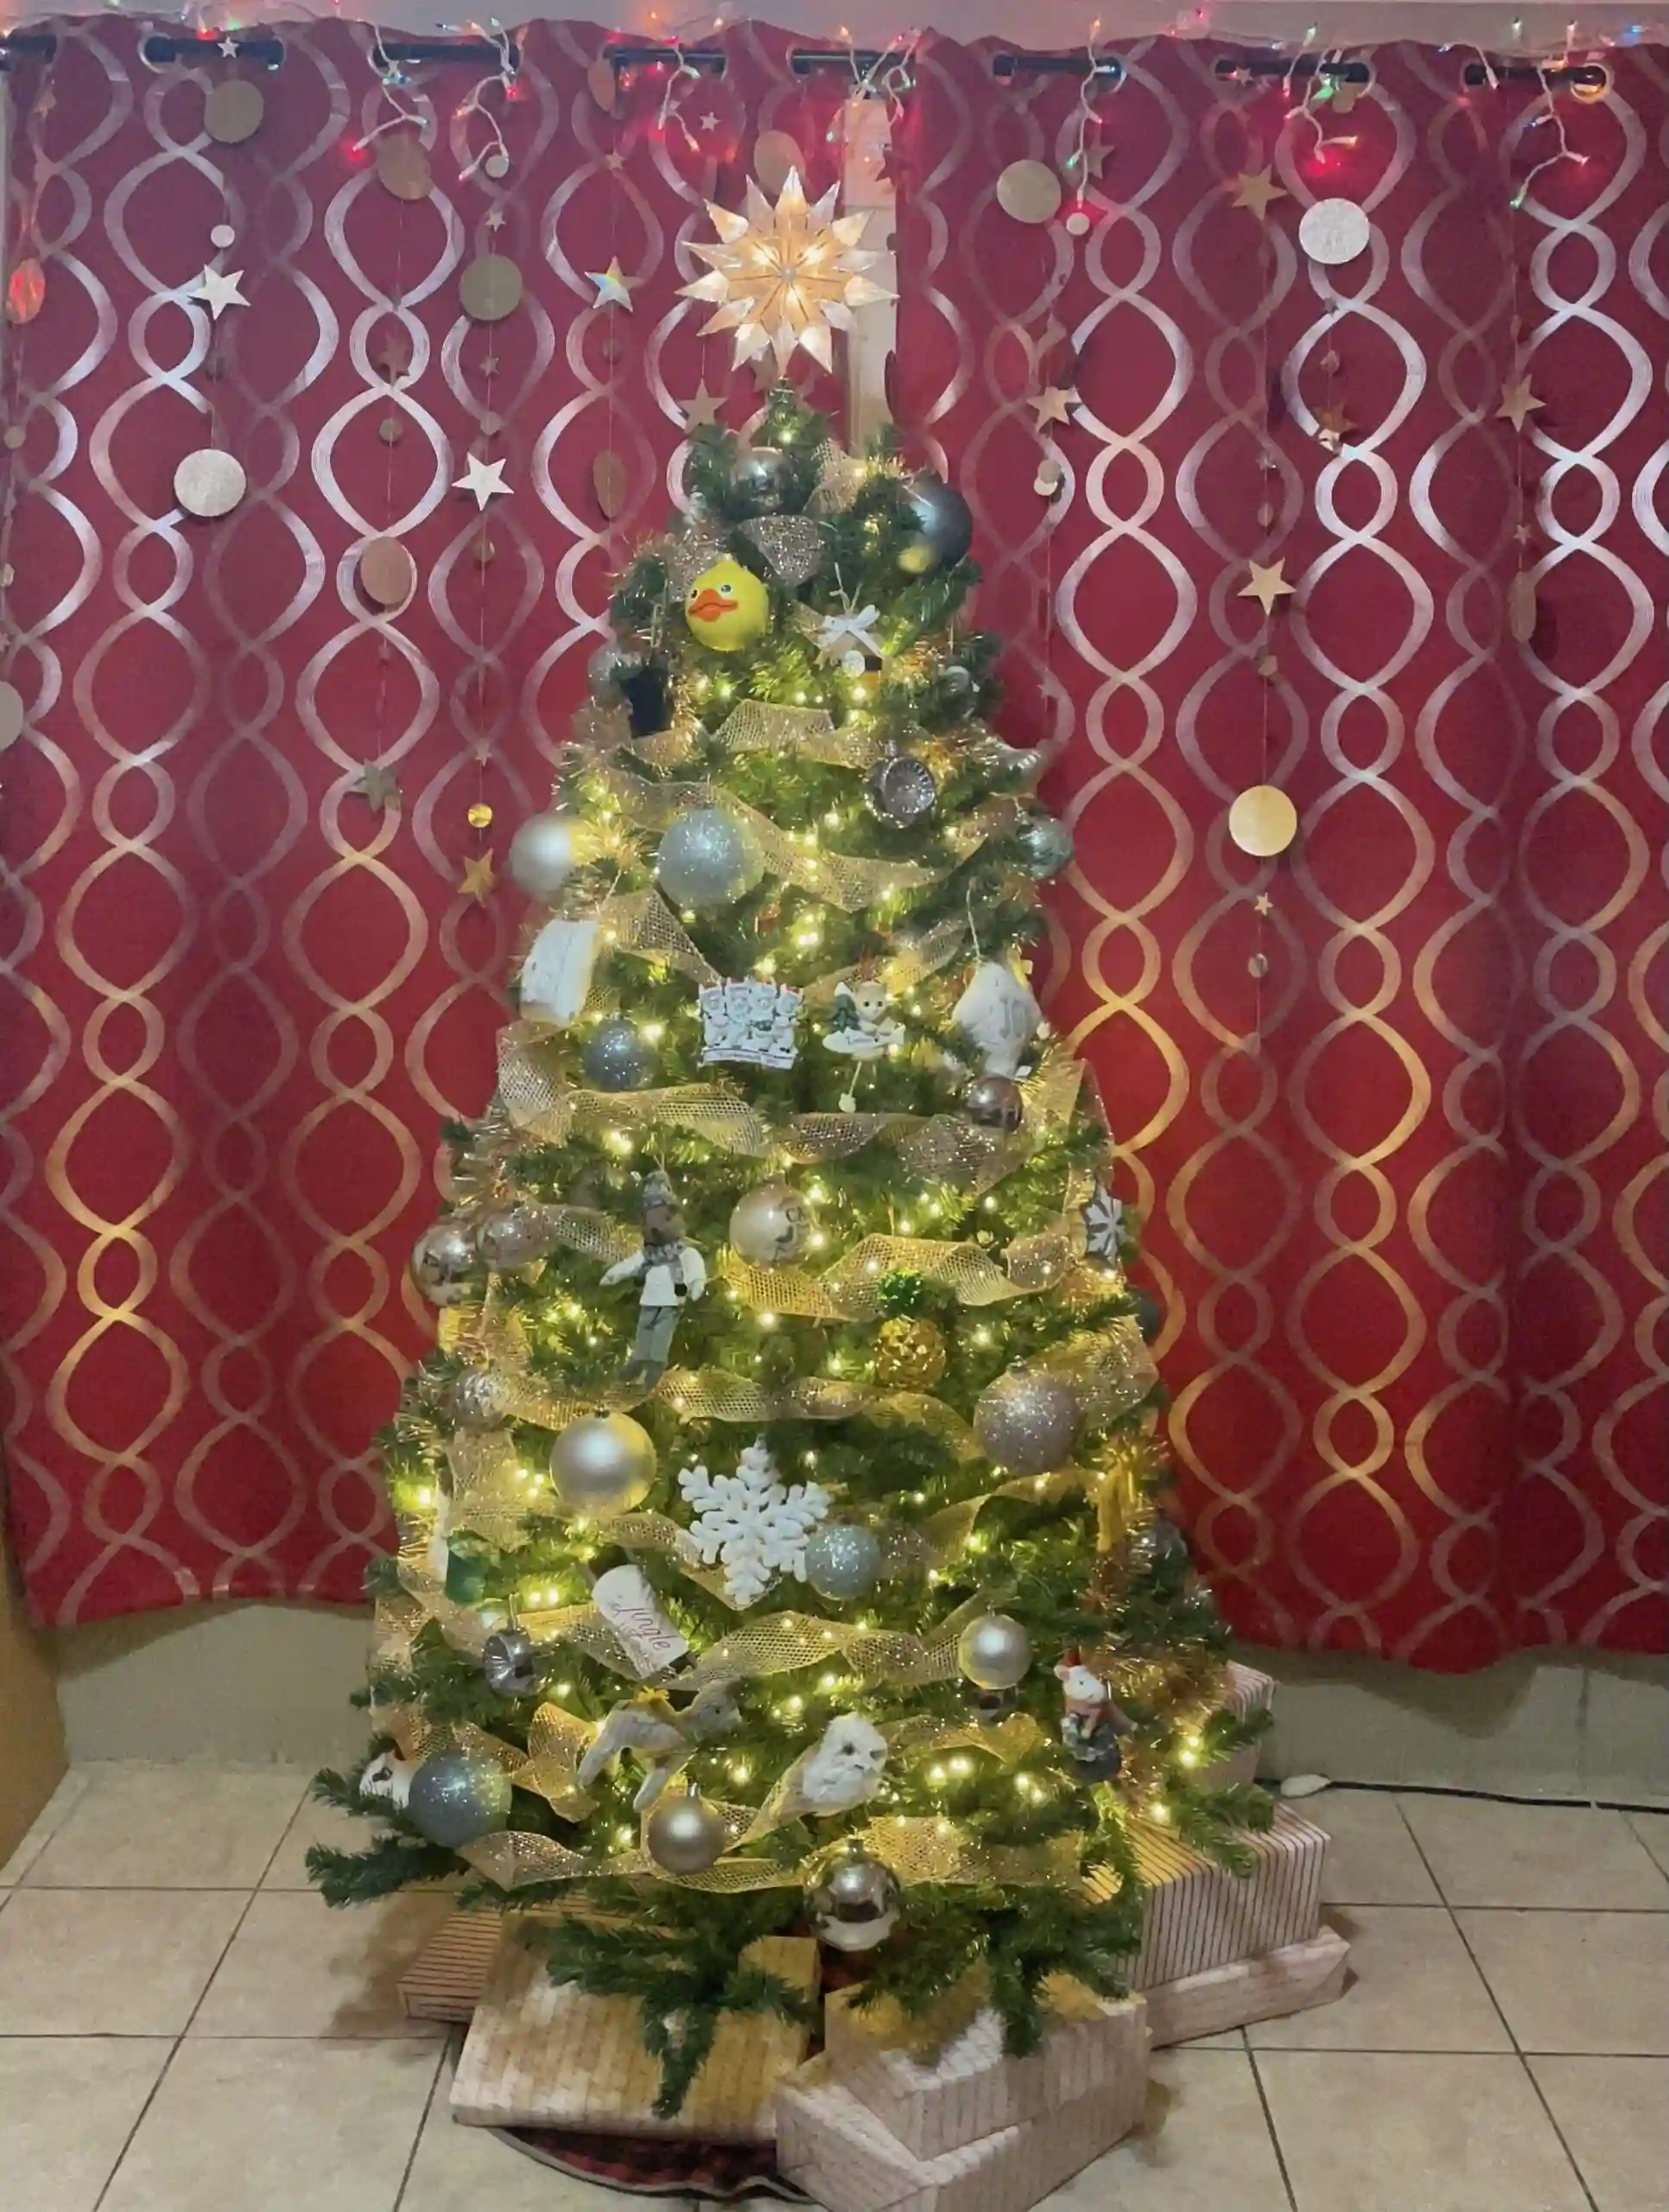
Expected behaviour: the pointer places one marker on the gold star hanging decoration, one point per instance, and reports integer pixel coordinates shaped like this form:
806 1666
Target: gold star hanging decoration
1254 190
1050 404
376 783
1263 903
1333 426
1517 401
786 276
477 878
1267 585
703 411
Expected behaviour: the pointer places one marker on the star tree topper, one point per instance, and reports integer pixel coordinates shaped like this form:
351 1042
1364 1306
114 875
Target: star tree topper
786 276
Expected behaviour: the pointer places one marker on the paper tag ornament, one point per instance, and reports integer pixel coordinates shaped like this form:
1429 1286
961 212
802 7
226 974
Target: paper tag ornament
999 1013
749 1021
555 976
625 1601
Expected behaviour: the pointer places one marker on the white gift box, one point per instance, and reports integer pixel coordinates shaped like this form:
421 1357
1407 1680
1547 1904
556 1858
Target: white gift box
936 2102
832 2145
1245 1691
1196 1915
1291 1980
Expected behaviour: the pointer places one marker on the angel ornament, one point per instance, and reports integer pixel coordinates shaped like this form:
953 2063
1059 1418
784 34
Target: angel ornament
862 1029
670 1270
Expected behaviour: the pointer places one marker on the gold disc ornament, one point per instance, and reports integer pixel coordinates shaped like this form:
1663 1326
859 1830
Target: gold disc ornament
775 157
233 112
491 289
402 165
387 575
209 482
1030 192
1263 821
1334 232
11 715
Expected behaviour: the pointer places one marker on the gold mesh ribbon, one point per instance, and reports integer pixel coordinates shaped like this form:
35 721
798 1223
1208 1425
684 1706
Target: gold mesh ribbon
850 1290
1008 1741
929 1849
556 1741
538 1102
641 922
491 1494
787 1641
759 726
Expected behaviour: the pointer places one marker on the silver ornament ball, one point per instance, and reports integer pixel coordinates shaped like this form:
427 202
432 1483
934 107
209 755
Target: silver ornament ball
508 1237
771 1225
442 1261
994 1101
458 1796
945 525
707 859
617 1055
542 856
604 1464
994 1651
610 665
479 1400
1027 1421
1045 846
855 1906
683 1835
508 1660
901 791
1144 1549
763 476
842 1559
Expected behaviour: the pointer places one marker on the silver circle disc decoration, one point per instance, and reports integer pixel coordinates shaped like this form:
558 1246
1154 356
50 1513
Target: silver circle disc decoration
1030 192
1335 230
11 715
209 482
491 289
233 112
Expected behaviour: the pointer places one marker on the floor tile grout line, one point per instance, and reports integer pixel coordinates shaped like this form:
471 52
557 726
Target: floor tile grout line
116 2163
445 2043
1269 2122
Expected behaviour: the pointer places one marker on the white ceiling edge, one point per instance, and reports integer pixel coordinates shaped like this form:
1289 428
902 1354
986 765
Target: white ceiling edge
1038 25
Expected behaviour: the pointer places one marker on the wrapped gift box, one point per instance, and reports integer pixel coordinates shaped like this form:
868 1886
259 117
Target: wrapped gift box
1244 1692
446 1979
1287 1980
935 2102
1196 1915
541 2053
832 2145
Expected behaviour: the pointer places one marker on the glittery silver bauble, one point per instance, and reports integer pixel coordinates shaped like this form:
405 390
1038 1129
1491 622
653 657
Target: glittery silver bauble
1160 1539
944 526
707 859
479 1399
771 1225
993 1651
901 791
683 1835
856 1904
508 1237
842 1559
763 478
609 665
508 1660
542 856
1045 846
617 1055
442 1261
604 1464
1027 1421
994 1101
457 1796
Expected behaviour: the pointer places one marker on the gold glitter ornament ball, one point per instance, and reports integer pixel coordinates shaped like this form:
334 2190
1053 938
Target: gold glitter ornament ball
910 1353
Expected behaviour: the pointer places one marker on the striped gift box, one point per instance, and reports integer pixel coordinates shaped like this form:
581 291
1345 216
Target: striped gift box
1245 1691
1197 1914
446 1979
543 2054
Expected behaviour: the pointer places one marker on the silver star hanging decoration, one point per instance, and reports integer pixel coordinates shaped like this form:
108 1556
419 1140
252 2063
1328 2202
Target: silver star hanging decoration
709 121
229 48
703 411
613 287
1050 404
376 783
218 289
482 479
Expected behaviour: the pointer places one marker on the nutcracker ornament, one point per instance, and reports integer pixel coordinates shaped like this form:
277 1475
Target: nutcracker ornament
1091 1724
671 1271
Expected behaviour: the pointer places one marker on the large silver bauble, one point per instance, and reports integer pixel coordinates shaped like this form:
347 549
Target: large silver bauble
1159 1540
707 859
508 1237
994 1651
765 478
542 856
617 1055
479 1399
771 1225
442 1261
994 1101
855 1906
901 791
609 664
604 1464
945 525
458 1796
1027 1421
508 1660
683 1835
1045 846
842 1559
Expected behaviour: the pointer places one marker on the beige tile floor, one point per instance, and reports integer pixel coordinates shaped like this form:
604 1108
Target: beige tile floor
185 2028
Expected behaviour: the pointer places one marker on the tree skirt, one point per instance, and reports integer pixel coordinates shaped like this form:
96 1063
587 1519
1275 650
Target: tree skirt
648 2167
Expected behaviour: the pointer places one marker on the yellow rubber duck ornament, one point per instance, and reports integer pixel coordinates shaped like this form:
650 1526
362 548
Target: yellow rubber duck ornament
727 608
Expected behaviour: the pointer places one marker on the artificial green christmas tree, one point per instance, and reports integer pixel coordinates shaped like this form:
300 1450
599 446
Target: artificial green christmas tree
778 1542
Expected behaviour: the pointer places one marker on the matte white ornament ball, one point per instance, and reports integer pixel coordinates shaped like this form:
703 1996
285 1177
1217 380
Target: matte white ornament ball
994 1651
542 855
771 1225
604 1464
1335 230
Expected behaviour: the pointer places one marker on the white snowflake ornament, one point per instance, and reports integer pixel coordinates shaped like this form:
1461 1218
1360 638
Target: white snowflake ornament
752 1521
1103 1218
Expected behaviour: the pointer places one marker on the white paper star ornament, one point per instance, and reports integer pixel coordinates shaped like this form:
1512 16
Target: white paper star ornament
786 276
614 286
482 479
218 289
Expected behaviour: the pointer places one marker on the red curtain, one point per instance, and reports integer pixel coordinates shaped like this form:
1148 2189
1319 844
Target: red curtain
1394 1138
1407 1244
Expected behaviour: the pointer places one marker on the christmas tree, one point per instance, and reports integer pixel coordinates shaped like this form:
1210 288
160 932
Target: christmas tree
782 1540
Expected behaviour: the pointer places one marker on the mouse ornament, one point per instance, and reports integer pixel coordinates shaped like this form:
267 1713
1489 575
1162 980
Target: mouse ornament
1091 1724
727 608
861 1028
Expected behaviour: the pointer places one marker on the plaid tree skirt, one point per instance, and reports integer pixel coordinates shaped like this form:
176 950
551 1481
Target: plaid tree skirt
648 2167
